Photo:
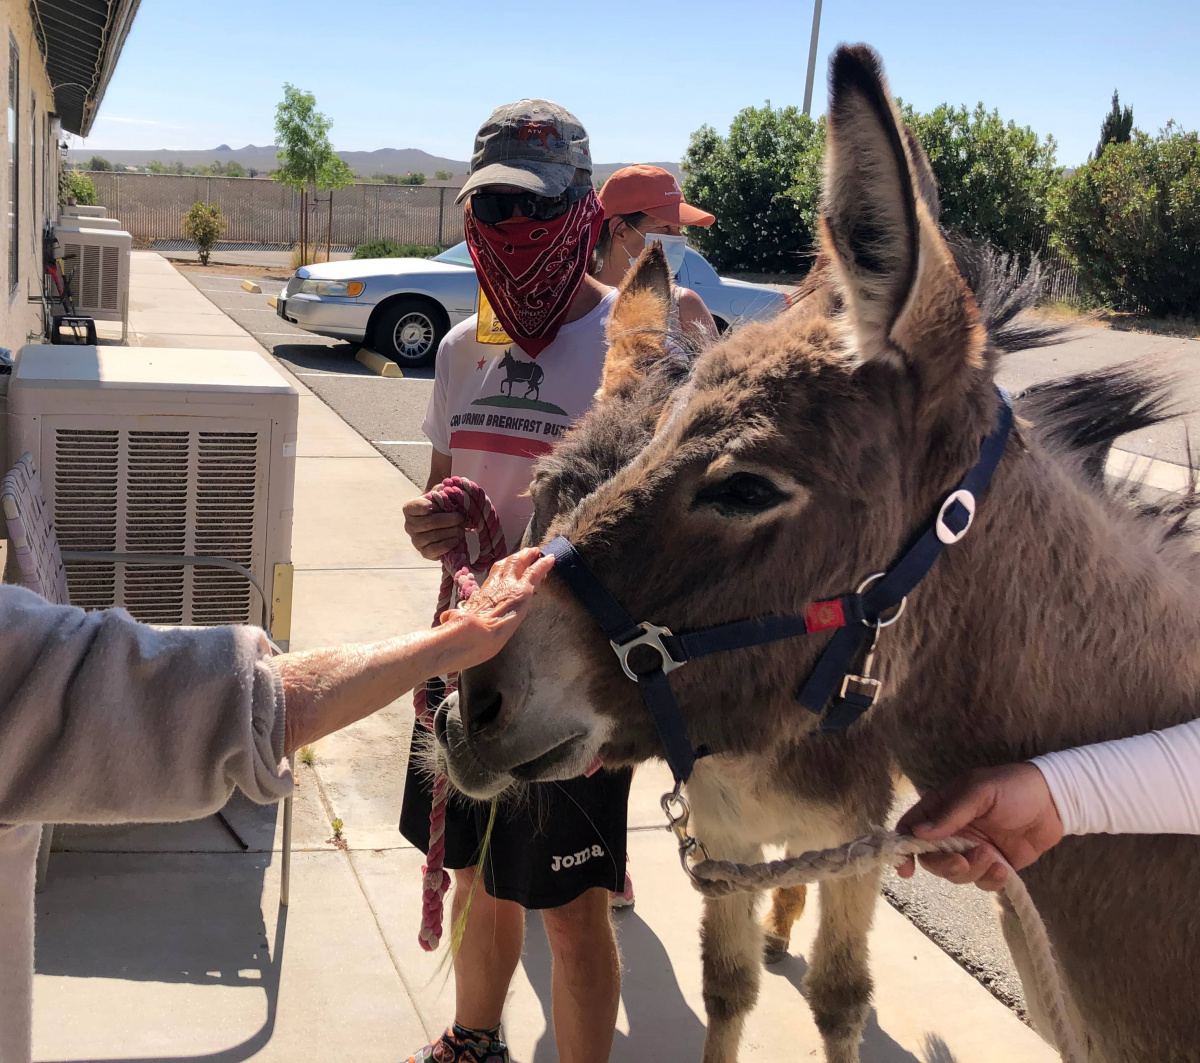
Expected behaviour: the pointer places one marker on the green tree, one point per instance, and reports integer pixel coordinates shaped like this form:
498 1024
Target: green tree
98 162
1117 127
442 175
412 179
762 182
303 133
154 166
334 174
995 178
203 224
1129 221
233 168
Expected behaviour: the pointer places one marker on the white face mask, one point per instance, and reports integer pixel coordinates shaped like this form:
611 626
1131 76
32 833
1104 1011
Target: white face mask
674 247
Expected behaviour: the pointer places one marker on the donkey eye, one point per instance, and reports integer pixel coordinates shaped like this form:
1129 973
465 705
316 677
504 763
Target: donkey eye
743 492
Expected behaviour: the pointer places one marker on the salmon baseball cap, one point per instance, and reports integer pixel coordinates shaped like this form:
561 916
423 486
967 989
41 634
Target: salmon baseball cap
651 190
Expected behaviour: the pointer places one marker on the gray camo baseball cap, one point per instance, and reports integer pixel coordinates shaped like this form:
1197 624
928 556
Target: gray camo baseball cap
533 144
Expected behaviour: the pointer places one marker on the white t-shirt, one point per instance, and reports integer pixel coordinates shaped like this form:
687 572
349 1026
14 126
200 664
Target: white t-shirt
495 410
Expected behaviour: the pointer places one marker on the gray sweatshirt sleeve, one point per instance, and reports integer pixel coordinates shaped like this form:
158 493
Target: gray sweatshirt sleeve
105 720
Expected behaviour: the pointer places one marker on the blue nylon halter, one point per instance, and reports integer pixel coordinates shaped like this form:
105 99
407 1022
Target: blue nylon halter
855 616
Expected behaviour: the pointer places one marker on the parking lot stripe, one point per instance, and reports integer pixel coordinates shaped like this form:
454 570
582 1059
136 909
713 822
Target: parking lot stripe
356 376
401 443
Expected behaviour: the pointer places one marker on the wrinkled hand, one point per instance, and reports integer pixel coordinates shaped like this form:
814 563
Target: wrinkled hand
487 620
431 533
1009 809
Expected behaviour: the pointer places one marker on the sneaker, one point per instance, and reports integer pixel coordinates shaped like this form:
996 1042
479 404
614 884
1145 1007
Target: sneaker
460 1045
624 899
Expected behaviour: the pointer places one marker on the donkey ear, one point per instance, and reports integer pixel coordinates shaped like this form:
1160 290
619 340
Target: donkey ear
922 171
870 217
637 326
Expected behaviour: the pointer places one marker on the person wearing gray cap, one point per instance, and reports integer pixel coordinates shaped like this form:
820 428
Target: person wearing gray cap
509 382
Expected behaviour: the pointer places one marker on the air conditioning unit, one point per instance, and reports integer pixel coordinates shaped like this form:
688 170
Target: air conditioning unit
69 221
79 210
97 261
164 451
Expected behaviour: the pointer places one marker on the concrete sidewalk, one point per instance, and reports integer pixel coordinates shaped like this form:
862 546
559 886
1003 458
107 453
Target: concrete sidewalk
167 942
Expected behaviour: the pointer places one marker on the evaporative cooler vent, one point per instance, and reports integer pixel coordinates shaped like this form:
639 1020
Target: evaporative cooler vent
161 492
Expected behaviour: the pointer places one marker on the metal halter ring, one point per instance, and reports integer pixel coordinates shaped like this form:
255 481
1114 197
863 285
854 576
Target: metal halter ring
881 623
652 635
677 825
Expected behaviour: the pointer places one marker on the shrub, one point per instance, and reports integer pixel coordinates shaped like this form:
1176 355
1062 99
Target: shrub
307 257
203 224
762 182
442 175
1129 221
391 249
995 178
79 187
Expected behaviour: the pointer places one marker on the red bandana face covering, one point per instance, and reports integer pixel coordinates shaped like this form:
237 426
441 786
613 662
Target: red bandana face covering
530 270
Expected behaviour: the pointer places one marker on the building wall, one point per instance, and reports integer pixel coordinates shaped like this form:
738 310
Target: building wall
37 176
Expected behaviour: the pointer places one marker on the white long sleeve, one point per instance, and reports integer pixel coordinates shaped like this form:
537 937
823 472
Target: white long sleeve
1148 784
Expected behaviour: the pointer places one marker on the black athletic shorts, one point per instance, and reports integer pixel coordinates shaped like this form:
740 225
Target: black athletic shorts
549 845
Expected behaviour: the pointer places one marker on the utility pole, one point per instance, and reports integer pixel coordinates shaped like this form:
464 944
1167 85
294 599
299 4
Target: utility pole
812 56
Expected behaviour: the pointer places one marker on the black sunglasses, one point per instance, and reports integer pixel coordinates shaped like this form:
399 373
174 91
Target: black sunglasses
494 207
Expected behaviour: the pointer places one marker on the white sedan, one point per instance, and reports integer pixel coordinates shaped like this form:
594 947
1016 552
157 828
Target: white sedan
402 307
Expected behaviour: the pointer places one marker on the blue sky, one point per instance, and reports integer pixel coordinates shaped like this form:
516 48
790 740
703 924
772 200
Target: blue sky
640 76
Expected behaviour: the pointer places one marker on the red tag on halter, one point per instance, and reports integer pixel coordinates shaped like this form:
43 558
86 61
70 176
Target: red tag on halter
823 615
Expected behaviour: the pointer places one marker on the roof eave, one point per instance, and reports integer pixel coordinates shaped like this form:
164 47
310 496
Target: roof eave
118 30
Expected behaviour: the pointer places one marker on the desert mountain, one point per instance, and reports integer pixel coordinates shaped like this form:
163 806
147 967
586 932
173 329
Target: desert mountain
262 158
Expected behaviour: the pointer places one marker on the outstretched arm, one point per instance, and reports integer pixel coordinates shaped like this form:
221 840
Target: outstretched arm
1147 784
330 688
105 720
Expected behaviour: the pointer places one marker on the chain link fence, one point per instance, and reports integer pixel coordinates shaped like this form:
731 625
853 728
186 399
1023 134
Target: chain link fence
151 207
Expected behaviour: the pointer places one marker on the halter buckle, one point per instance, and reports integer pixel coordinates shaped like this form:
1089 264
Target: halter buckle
652 635
945 533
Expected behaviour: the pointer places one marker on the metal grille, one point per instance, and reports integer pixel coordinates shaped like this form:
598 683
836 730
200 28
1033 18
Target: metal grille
160 492
151 207
156 512
110 288
225 522
86 491
89 276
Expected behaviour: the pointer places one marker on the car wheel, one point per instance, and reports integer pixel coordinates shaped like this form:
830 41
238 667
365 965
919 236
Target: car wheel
408 331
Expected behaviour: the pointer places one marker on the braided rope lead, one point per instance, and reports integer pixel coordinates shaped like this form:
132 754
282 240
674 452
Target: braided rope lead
455 494
719 878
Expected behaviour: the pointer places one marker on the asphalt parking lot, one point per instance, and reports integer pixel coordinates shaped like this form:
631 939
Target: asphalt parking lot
386 411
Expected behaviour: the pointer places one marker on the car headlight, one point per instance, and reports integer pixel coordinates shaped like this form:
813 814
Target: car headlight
342 289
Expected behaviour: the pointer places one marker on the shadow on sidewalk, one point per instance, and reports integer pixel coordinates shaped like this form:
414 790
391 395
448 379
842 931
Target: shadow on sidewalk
877 1046
661 1024
175 917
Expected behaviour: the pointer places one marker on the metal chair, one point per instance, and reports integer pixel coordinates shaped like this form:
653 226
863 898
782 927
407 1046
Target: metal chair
39 561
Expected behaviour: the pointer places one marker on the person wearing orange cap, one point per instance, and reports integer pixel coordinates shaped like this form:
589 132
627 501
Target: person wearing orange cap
643 203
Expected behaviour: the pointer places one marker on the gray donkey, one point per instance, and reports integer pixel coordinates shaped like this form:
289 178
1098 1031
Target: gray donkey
801 456
818 795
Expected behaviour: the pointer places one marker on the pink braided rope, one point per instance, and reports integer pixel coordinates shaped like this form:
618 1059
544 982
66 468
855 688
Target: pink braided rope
455 494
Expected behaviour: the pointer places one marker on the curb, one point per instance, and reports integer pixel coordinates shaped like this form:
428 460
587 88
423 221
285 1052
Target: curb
377 363
251 286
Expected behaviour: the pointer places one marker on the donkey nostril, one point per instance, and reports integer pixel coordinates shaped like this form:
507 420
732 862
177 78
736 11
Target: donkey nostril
439 725
485 709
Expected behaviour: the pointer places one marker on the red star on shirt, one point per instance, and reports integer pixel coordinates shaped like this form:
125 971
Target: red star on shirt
479 364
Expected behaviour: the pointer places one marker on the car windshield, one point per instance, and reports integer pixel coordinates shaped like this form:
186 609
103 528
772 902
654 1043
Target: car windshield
458 255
